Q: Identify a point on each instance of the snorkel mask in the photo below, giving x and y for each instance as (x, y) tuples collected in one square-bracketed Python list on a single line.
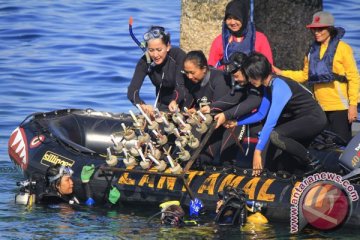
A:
[(233, 211), (154, 32), (172, 213), (63, 171)]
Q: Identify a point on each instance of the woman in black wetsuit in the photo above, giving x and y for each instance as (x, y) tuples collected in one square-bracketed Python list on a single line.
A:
[(163, 64), (294, 117), (58, 186), (204, 84)]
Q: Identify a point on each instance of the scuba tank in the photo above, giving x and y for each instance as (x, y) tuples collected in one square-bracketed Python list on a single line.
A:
[(26, 194)]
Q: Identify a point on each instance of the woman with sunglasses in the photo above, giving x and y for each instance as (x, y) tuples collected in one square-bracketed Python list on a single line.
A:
[(330, 68), (162, 64), (58, 186)]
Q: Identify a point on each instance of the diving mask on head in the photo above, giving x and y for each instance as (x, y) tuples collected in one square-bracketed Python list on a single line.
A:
[(232, 67), (63, 171), (156, 32)]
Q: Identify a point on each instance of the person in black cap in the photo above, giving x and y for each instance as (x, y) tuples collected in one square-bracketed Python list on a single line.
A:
[(238, 35)]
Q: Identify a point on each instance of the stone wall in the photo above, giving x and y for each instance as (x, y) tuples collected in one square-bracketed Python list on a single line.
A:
[(283, 21)]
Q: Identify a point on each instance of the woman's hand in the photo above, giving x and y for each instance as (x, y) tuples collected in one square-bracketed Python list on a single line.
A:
[(257, 163), (352, 113), (205, 109), (230, 124), (148, 109), (220, 119), (276, 70), (173, 106)]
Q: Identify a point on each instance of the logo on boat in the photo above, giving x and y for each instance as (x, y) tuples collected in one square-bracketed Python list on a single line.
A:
[(323, 201), (36, 141), (51, 158), (17, 148)]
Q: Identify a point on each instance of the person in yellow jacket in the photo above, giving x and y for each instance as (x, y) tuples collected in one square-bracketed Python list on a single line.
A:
[(330, 68)]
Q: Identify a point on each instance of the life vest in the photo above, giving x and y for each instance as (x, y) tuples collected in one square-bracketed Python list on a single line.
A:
[(247, 45), (320, 70)]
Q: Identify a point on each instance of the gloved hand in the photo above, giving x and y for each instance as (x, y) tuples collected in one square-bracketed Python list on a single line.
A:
[(195, 207), (114, 195), (87, 172)]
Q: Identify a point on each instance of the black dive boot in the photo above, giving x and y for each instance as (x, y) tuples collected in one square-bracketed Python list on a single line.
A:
[(313, 164)]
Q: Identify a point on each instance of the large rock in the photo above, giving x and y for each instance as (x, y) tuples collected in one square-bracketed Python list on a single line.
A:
[(283, 21)]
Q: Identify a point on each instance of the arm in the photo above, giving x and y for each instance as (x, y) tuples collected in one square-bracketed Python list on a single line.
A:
[(281, 94), (251, 102), (216, 51), (300, 76), (136, 82), (259, 115), (227, 101), (351, 72), (262, 45), (179, 91)]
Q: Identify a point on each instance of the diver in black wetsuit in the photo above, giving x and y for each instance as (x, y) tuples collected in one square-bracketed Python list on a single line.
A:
[(243, 99), (162, 64), (58, 186)]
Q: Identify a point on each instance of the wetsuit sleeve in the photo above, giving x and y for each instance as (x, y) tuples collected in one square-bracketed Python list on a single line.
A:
[(136, 82), (281, 94), (180, 90), (262, 45), (250, 104), (300, 76), (259, 115), (220, 87), (227, 101), (216, 51)]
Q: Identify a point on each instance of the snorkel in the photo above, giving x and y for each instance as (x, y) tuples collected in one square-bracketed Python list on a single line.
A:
[(140, 45), (149, 62)]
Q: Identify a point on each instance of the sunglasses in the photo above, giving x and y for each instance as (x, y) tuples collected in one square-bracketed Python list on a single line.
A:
[(154, 33)]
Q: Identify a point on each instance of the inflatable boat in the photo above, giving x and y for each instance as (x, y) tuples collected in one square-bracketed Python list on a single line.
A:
[(125, 156)]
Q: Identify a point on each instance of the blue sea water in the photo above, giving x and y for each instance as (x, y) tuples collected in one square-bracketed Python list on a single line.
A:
[(78, 54)]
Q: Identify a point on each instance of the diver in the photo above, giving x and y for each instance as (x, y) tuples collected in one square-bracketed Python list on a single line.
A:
[(234, 208), (56, 187), (59, 186), (172, 214)]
